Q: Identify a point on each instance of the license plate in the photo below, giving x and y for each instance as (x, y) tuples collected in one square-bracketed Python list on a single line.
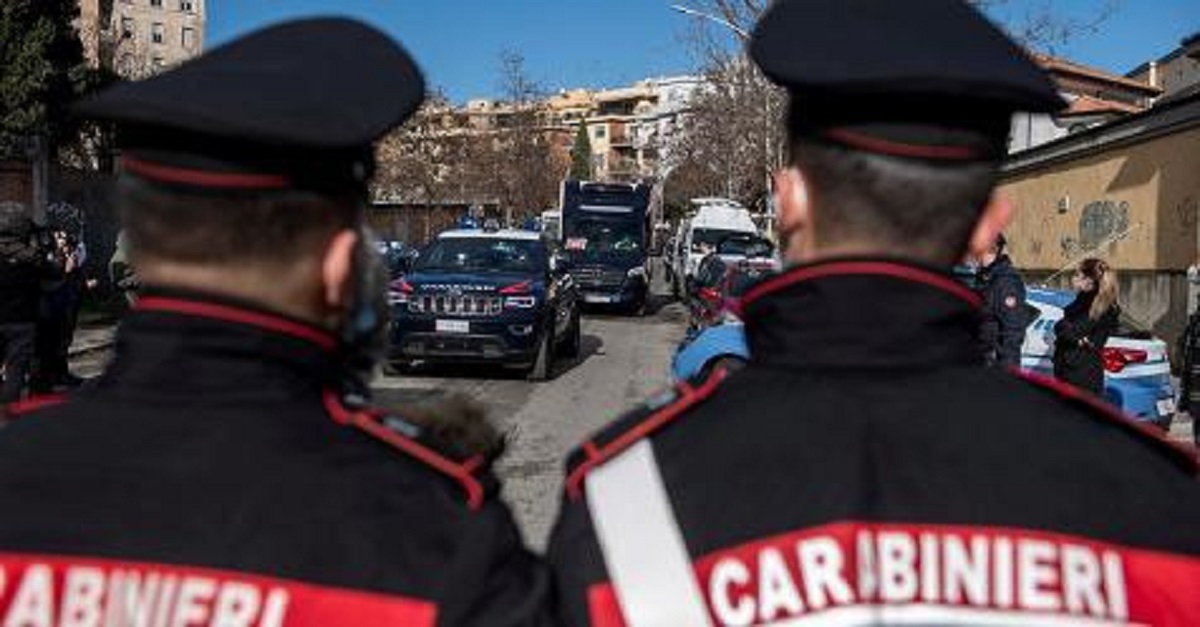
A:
[(1166, 407), (597, 298), (453, 326)]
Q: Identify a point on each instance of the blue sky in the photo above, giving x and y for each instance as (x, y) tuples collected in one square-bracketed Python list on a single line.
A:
[(595, 43)]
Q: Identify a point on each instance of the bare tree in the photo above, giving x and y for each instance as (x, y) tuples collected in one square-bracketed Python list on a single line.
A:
[(527, 168), (734, 136)]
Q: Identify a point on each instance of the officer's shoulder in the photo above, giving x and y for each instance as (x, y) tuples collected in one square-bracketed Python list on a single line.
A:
[(455, 440), (1103, 414), (643, 421)]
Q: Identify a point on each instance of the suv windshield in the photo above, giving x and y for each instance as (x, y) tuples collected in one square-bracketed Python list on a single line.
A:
[(712, 236), (479, 254), (596, 238)]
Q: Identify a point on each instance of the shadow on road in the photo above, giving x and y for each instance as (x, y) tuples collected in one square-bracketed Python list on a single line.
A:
[(589, 345)]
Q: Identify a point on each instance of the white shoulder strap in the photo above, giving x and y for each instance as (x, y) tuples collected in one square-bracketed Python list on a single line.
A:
[(643, 547)]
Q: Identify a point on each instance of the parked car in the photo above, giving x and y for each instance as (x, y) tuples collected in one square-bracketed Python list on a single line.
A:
[(479, 296), (397, 256), (1137, 370)]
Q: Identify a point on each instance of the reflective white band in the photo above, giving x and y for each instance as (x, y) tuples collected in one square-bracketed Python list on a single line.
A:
[(643, 548)]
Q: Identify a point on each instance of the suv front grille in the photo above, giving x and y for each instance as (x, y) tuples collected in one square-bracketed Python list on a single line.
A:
[(464, 305)]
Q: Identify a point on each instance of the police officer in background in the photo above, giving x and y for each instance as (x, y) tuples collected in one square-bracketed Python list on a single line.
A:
[(1005, 313), (865, 468), (218, 472)]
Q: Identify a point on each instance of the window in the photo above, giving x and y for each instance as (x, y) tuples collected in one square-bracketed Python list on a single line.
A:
[(156, 4), (188, 37), (156, 33), (186, 6), (600, 131), (127, 29)]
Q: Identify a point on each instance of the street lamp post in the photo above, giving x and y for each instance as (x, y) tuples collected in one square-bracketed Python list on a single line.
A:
[(737, 30), (744, 36)]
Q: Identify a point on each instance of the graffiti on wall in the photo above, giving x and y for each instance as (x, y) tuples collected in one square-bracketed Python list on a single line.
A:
[(1098, 222), (1101, 220), (1185, 212)]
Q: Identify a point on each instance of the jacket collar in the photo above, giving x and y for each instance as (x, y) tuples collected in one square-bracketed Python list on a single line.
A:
[(185, 340), (862, 313)]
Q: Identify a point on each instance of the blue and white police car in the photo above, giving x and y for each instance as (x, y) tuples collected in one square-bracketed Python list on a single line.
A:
[(1137, 370), (484, 296), (1137, 377)]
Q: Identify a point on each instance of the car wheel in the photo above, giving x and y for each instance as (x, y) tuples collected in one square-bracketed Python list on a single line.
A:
[(541, 366), (729, 363), (570, 347)]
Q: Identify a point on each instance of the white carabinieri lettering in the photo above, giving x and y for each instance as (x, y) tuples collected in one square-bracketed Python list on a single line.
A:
[(88, 596), (892, 568)]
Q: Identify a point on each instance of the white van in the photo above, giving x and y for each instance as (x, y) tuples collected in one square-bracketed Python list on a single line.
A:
[(715, 219)]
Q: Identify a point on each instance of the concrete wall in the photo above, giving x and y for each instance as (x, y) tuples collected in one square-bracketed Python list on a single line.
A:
[(1150, 189), (1079, 207)]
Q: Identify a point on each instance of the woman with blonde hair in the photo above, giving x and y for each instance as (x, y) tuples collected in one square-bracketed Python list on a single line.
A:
[(1086, 326)]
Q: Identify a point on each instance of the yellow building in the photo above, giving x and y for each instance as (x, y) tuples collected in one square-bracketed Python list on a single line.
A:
[(1128, 192)]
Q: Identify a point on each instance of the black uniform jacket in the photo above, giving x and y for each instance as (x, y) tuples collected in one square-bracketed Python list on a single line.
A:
[(1004, 314), (865, 465), (1079, 340), (213, 477)]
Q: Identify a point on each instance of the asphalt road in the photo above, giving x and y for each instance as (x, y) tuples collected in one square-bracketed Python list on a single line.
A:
[(624, 360)]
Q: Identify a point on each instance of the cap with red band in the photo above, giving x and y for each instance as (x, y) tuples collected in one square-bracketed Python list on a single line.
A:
[(920, 79), (294, 106)]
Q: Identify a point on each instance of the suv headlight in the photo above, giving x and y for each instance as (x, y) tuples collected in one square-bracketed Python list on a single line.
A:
[(520, 302), (637, 273)]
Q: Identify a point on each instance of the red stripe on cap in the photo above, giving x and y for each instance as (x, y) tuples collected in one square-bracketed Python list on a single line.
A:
[(862, 268), (241, 316), (897, 149), (203, 178)]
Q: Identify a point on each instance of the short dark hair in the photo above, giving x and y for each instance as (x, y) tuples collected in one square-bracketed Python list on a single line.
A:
[(913, 208), (211, 227)]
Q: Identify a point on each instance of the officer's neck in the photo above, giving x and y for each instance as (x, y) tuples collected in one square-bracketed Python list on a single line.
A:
[(283, 290)]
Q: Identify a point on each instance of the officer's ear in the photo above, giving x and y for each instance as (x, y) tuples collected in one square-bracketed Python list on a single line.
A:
[(794, 209), (337, 268), (992, 221)]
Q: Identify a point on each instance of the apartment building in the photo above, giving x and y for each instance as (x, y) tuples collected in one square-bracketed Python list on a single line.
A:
[(141, 37), (629, 128), (1094, 96)]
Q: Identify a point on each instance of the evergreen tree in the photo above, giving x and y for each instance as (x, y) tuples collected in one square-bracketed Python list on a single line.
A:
[(41, 72), (581, 155)]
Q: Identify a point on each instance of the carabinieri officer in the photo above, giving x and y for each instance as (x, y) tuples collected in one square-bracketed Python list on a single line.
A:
[(865, 467), (224, 469)]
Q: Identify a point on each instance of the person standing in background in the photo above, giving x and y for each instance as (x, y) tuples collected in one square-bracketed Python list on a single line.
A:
[(1086, 326), (22, 268), (1004, 314)]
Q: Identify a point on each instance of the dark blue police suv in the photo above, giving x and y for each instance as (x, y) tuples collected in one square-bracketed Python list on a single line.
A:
[(476, 296)]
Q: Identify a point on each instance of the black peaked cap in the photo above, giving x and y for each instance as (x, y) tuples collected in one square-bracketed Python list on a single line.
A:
[(299, 102), (889, 75)]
